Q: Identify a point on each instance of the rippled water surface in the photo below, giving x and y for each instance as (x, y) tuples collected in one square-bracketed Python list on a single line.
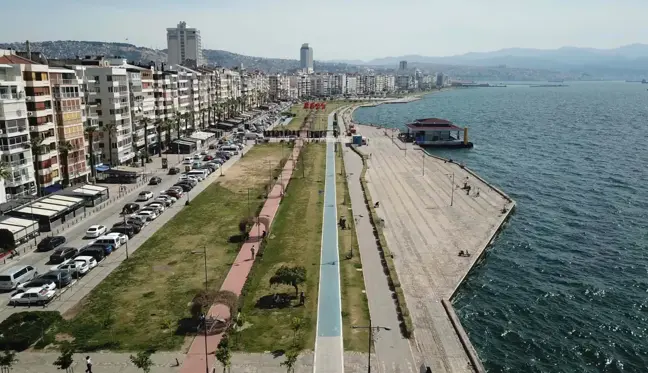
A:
[(565, 288)]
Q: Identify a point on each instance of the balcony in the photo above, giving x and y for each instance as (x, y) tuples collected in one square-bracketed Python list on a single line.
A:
[(18, 180), (12, 96), (40, 112), (65, 82)]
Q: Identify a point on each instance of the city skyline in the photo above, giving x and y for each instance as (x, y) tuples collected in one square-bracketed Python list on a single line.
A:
[(512, 25)]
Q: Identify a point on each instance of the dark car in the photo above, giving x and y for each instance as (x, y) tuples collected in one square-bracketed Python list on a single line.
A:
[(207, 158), (106, 247), (60, 278), (128, 230), (134, 222), (212, 146), (50, 243), (62, 253), (96, 252), (174, 170), (185, 186), (130, 208), (174, 193), (155, 180)]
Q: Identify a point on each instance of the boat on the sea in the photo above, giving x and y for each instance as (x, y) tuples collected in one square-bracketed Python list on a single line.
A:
[(436, 133), (548, 85), (556, 80)]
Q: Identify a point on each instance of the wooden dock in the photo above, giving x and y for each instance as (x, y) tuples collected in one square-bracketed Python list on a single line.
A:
[(428, 220)]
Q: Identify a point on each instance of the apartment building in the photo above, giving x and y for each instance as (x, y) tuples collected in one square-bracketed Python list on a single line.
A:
[(14, 129), (302, 83), (278, 87), (113, 112), (69, 119), (351, 85), (339, 84), (42, 130)]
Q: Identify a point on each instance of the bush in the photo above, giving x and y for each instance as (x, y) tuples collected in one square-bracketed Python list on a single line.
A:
[(21, 330)]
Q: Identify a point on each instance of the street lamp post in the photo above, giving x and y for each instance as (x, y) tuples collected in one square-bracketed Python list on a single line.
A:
[(452, 190), (126, 241), (371, 329), (204, 254), (423, 160)]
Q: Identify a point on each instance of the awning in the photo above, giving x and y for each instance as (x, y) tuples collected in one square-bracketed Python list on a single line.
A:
[(102, 168)]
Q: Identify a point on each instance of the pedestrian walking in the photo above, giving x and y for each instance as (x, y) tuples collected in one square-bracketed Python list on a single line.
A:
[(302, 298), (263, 235), (252, 251), (88, 364)]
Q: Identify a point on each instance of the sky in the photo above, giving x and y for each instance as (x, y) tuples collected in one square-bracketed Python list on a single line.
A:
[(337, 29)]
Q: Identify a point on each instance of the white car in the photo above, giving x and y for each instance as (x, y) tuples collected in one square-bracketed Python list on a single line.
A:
[(204, 152), (36, 296), (73, 267), (197, 156), (190, 177), (96, 231), (158, 205), (146, 215), (169, 197), (162, 199), (88, 260), (144, 196), (122, 237), (187, 160), (39, 283)]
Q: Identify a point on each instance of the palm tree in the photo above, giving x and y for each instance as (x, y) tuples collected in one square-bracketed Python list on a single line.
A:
[(110, 129), (177, 124), (146, 121), (64, 151), (185, 118), (160, 126), (5, 172), (231, 104), (168, 124), (203, 111), (219, 110), (89, 132), (241, 103), (36, 145)]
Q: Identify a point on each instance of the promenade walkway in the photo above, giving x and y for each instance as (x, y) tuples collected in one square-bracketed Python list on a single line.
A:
[(328, 341), (195, 360), (428, 220), (392, 351)]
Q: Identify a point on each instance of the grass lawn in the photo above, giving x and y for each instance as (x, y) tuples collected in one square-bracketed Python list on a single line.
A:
[(355, 310), (295, 239), (321, 122), (144, 303), (298, 119)]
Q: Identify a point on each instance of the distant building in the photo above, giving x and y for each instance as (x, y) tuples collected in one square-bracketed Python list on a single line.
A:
[(440, 80), (306, 58), (184, 46), (402, 65)]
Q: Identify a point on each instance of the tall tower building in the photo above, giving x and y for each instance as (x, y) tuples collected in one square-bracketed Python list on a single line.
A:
[(184, 46), (306, 58), (402, 65)]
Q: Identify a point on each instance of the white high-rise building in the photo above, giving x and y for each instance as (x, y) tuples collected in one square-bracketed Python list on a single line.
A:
[(184, 46), (306, 58)]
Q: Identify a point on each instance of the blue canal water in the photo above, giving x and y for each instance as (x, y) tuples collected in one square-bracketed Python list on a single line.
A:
[(565, 288)]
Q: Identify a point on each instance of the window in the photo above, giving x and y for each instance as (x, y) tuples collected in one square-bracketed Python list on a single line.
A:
[(96, 79), (109, 78)]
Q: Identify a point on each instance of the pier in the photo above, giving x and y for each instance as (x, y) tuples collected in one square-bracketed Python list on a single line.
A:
[(429, 218)]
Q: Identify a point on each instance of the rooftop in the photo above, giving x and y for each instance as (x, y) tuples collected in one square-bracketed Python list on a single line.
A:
[(433, 124), (14, 59)]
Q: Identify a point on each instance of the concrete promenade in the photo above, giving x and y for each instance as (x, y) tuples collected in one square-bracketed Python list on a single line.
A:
[(328, 340), (392, 351), (238, 274), (428, 220)]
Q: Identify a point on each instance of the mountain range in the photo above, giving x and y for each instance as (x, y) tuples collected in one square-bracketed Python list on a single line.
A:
[(628, 62)]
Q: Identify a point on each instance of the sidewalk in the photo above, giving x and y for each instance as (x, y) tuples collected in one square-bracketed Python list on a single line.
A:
[(238, 274), (392, 351)]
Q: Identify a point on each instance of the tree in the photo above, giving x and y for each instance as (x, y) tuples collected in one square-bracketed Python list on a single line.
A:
[(168, 124), (291, 359), (142, 360), (203, 112), (224, 354), (146, 121), (159, 128), (293, 276), (7, 360), (36, 145), (5, 172), (110, 129), (295, 325), (65, 359), (219, 111), (64, 151), (177, 125), (90, 132)]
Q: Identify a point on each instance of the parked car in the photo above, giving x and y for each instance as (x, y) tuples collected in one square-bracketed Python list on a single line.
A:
[(155, 180), (37, 283), (123, 238), (159, 206), (212, 146), (50, 243), (130, 208), (135, 222), (90, 261), (95, 252), (95, 231), (12, 277), (74, 268), (175, 192), (60, 278), (166, 201), (144, 196), (185, 186), (187, 160), (62, 253), (128, 230), (207, 158), (204, 152), (35, 296), (147, 215), (174, 171), (168, 196), (107, 248), (197, 156)]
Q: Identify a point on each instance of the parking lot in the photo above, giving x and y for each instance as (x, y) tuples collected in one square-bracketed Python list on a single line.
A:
[(70, 295)]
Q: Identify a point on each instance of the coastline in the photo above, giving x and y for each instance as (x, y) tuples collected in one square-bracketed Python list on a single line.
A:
[(484, 246)]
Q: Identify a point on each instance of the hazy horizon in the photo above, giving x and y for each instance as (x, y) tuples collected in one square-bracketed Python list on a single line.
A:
[(337, 30)]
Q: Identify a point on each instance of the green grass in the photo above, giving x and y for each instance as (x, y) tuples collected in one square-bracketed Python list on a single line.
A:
[(294, 239), (320, 123), (144, 303), (355, 310)]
